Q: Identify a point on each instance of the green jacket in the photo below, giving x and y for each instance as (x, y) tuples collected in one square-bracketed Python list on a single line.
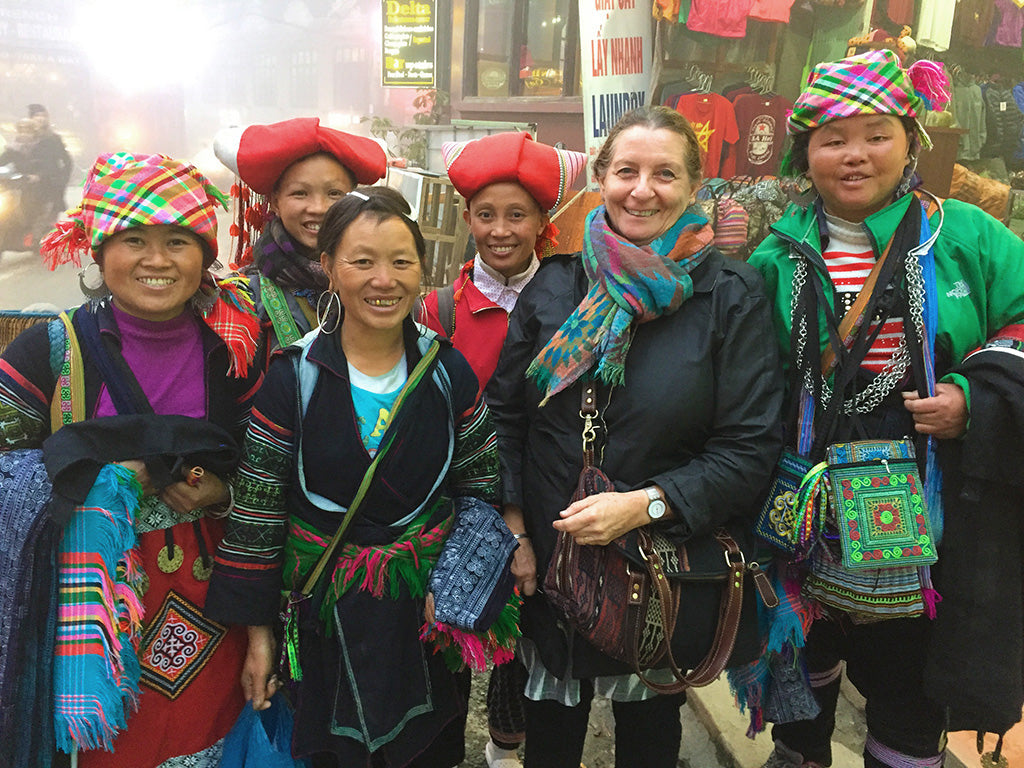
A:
[(979, 266)]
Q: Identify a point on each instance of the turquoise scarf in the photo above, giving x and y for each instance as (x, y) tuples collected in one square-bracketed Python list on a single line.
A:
[(628, 284)]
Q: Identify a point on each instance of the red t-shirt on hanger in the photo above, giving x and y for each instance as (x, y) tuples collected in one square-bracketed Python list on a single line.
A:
[(714, 122)]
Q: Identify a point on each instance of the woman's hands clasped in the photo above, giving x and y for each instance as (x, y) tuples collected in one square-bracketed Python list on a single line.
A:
[(524, 561), (603, 517)]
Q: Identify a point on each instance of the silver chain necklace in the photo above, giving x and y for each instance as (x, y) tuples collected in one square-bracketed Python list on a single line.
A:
[(895, 368)]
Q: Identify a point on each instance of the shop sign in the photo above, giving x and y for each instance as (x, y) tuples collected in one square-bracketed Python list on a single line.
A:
[(409, 43), (31, 26), (615, 42)]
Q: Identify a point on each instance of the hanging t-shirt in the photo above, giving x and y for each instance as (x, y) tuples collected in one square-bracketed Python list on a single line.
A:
[(972, 21), (714, 122), (1011, 22), (969, 108), (771, 10), (723, 18), (935, 23), (762, 128), (901, 11), (372, 398)]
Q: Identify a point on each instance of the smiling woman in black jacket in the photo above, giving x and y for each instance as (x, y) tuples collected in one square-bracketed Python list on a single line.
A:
[(677, 340)]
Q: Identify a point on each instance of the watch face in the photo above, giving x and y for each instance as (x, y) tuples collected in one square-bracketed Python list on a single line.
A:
[(656, 508)]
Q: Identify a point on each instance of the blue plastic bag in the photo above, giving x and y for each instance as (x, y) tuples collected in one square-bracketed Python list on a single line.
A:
[(262, 739)]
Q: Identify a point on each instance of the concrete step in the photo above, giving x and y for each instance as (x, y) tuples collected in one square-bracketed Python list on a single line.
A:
[(715, 708)]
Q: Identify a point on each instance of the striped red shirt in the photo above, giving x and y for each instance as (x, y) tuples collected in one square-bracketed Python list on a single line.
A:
[(850, 259)]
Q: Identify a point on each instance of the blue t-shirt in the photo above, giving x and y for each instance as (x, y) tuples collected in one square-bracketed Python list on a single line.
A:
[(373, 398)]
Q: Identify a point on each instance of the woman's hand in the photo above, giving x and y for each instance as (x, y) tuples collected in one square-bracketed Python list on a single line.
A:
[(944, 415), (183, 497), (259, 682), (524, 561), (603, 517)]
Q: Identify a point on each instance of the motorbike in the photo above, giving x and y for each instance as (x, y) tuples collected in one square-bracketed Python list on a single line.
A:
[(15, 232)]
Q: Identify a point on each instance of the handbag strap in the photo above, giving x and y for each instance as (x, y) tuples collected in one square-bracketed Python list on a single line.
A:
[(588, 412), (410, 384), (67, 406)]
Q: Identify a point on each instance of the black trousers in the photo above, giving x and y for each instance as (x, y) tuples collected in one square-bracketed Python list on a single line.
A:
[(885, 661), (647, 733)]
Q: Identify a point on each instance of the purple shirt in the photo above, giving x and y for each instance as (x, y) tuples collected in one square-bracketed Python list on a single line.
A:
[(167, 359)]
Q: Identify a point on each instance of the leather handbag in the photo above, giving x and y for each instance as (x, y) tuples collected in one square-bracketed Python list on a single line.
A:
[(624, 598)]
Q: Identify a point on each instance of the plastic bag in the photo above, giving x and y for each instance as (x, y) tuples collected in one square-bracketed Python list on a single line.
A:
[(262, 739)]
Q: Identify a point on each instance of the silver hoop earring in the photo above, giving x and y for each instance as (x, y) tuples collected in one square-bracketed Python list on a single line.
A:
[(92, 284), (910, 179), (322, 315), (800, 190)]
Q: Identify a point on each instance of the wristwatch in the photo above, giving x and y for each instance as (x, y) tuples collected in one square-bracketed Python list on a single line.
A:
[(656, 506)]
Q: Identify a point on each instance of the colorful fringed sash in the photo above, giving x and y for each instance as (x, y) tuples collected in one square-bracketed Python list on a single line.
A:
[(99, 617), (385, 570)]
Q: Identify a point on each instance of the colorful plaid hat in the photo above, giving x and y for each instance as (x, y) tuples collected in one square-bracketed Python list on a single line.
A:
[(545, 172), (125, 190), (869, 83), (259, 154)]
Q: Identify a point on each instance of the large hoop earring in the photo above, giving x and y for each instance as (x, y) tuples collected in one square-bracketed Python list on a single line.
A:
[(322, 315), (92, 285)]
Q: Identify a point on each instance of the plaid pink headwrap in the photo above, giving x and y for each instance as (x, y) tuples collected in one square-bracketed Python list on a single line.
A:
[(125, 190), (869, 83)]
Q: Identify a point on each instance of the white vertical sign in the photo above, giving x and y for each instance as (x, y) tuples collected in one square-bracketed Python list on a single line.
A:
[(615, 43)]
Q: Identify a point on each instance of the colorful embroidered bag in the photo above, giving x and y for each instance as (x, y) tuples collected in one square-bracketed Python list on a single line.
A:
[(877, 500), (472, 580), (776, 523)]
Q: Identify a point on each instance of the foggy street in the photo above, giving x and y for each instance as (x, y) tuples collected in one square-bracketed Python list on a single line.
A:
[(25, 281)]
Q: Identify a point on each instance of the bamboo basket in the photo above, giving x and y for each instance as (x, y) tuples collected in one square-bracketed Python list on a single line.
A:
[(12, 323)]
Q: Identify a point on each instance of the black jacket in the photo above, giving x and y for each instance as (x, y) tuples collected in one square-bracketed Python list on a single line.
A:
[(699, 416), (975, 658)]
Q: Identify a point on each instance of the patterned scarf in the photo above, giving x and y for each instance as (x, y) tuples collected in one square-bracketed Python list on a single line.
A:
[(287, 262), (629, 284), (228, 309), (99, 615)]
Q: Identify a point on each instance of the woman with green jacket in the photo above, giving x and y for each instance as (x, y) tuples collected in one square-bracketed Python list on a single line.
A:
[(935, 280)]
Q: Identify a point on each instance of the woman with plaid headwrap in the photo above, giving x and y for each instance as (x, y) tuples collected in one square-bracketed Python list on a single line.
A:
[(935, 280), (289, 174), (140, 677)]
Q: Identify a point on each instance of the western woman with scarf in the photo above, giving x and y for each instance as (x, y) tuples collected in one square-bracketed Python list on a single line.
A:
[(677, 341), (511, 185), (949, 278), (141, 678), (373, 415), (289, 174)]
